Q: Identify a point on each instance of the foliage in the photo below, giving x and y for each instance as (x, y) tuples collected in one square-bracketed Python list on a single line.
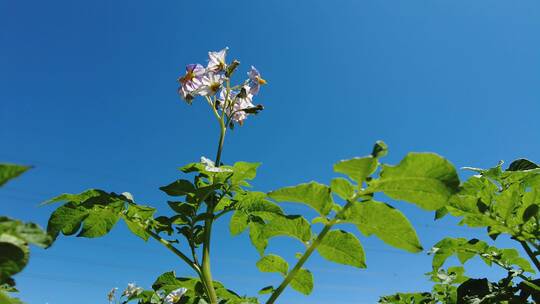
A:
[(503, 202), (215, 189), (15, 238)]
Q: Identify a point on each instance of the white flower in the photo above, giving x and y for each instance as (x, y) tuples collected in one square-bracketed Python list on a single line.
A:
[(191, 81), (175, 296), (131, 290), (242, 101), (217, 60), (211, 83), (210, 166), (255, 80)]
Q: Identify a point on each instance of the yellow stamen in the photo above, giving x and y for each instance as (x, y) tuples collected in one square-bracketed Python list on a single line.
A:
[(261, 81)]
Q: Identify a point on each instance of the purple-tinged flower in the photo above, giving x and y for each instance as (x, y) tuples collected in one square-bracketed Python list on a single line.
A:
[(210, 84), (191, 81), (241, 101), (175, 296), (217, 60), (255, 80)]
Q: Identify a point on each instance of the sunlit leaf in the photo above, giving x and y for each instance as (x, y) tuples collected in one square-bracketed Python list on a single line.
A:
[(313, 194), (424, 179), (342, 247), (386, 222)]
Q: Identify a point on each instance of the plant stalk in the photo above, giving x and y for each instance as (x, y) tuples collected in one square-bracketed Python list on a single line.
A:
[(206, 267)]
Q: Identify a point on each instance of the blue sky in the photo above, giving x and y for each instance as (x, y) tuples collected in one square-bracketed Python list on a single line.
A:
[(88, 96)]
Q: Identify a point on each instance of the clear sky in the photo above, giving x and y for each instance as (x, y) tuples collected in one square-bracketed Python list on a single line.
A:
[(88, 96)]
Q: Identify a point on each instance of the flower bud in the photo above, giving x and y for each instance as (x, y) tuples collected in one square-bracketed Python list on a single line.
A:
[(231, 68)]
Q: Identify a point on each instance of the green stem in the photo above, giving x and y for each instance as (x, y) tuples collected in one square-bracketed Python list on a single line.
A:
[(530, 254), (221, 141), (206, 268), (290, 276)]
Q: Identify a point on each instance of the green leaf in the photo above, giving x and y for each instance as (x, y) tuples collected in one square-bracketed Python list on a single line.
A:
[(358, 168), (303, 281), (239, 222), (386, 222), (292, 225), (256, 236), (243, 171), (10, 171), (14, 256), (313, 194), (97, 211), (27, 232), (256, 203), (180, 187), (466, 249), (266, 290), (522, 164), (424, 179), (100, 221), (342, 187), (137, 217), (76, 198), (342, 247), (66, 219), (273, 263), (6, 299)]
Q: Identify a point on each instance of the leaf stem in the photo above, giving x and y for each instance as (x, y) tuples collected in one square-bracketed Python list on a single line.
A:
[(308, 252), (174, 250)]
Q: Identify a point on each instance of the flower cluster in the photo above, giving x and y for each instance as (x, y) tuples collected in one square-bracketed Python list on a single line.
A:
[(213, 83)]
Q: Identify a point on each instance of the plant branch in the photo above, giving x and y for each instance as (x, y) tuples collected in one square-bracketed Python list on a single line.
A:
[(531, 254)]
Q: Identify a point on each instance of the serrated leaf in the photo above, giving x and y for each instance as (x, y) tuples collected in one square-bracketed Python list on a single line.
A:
[(386, 222), (342, 247), (273, 263), (303, 281), (342, 187), (358, 169), (313, 194), (180, 187), (424, 179), (10, 171)]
